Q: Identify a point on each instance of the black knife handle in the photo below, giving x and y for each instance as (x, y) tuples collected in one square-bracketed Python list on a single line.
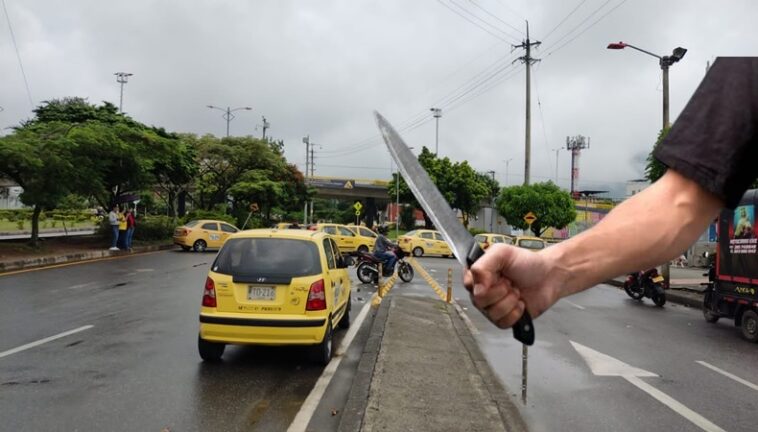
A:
[(523, 330)]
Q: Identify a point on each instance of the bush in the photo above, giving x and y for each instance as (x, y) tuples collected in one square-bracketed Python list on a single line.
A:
[(154, 228), (475, 231)]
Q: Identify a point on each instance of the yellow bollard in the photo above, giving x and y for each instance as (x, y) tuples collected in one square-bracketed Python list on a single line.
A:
[(450, 285)]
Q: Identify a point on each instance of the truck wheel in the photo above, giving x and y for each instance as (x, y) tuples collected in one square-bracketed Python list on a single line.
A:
[(750, 326), (707, 314)]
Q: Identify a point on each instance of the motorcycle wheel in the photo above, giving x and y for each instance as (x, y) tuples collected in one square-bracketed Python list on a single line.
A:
[(659, 299), (707, 314), (365, 272), (405, 272), (636, 293)]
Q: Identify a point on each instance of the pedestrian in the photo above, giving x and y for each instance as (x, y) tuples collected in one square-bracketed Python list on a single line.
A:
[(113, 223), (131, 224), (710, 153), (121, 230)]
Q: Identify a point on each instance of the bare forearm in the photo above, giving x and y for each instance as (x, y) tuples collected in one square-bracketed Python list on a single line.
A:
[(648, 229)]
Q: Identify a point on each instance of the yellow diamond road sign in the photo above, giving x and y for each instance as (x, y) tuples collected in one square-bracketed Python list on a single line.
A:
[(530, 218), (357, 206)]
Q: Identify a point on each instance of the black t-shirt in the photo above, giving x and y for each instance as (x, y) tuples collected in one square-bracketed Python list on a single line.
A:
[(715, 139)]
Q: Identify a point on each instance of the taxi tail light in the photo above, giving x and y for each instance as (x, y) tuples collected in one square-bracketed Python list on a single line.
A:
[(316, 296), (209, 293)]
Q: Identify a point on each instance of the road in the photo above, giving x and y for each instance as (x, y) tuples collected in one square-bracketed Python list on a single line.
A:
[(137, 367), (564, 394)]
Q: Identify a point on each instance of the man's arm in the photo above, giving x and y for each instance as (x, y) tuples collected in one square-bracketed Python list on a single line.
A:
[(650, 228)]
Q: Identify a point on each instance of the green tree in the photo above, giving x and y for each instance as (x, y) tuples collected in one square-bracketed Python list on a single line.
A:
[(552, 206), (654, 168)]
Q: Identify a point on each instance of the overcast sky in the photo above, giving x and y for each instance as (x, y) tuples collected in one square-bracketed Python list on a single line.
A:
[(320, 68)]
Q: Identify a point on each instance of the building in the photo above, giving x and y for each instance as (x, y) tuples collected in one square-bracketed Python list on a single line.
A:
[(636, 186), (10, 195)]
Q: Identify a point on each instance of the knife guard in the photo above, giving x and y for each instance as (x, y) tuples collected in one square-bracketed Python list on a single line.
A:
[(523, 330)]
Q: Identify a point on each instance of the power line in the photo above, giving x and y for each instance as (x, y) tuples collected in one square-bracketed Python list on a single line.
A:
[(564, 19), (588, 27), (18, 55), (473, 22), (539, 104), (587, 18), (495, 16)]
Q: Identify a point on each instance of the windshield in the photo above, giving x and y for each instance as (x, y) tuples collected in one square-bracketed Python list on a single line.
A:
[(192, 223), (531, 244)]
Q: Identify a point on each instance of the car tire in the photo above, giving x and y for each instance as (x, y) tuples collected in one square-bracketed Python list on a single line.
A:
[(417, 251), (345, 320), (200, 246), (322, 352), (750, 326), (210, 351), (363, 249), (186, 248)]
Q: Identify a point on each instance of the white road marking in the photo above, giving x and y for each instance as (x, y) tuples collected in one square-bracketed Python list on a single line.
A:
[(574, 304), (729, 375), (303, 416), (605, 365), (700, 421), (43, 341)]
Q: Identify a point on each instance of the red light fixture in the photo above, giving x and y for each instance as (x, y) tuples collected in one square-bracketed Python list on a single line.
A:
[(620, 45), (316, 296), (209, 293)]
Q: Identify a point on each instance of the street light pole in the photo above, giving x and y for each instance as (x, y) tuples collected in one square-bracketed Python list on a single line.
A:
[(228, 116), (507, 162), (556, 164), (437, 113), (122, 78)]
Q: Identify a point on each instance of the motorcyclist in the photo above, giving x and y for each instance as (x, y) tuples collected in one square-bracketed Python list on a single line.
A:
[(383, 248)]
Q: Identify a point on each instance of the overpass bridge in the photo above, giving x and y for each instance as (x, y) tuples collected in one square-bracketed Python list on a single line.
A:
[(371, 193)]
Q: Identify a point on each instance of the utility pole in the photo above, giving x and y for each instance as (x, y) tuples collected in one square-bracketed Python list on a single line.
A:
[(492, 202), (313, 167), (528, 60), (228, 116), (266, 125), (122, 78), (556, 165), (507, 162), (307, 142), (437, 113)]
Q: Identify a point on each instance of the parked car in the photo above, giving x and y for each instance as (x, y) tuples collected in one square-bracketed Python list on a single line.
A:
[(364, 237), (346, 239), (203, 234), (275, 287), (424, 242), (486, 240), (527, 242)]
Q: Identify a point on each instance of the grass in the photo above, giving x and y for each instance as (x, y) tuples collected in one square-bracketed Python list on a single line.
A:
[(392, 236)]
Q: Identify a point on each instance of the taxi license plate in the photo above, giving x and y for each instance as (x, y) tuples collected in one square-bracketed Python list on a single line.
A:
[(261, 293), (658, 279)]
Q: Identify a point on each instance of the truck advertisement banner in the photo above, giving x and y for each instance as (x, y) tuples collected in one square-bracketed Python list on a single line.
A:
[(738, 245)]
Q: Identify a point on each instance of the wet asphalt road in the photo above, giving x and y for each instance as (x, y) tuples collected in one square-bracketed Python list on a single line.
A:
[(563, 393), (137, 367)]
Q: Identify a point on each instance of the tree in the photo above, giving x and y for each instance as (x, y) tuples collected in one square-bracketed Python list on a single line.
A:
[(654, 168), (552, 206)]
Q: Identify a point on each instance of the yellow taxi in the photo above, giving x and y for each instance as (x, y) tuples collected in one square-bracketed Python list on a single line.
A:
[(532, 243), (275, 287), (287, 225), (364, 237), (346, 239), (486, 240), (424, 242), (203, 234)]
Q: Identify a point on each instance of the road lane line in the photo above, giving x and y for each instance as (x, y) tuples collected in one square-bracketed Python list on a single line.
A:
[(702, 422), (43, 341), (303, 417), (574, 304), (728, 375)]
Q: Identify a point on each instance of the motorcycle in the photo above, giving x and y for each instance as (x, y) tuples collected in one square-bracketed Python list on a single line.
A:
[(368, 267), (646, 284)]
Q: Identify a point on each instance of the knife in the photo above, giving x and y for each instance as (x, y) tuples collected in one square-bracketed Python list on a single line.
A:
[(465, 248)]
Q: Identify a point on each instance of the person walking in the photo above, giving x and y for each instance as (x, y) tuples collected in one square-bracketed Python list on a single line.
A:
[(131, 224), (113, 222)]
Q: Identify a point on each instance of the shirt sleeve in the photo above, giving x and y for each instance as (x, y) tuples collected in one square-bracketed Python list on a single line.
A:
[(713, 142)]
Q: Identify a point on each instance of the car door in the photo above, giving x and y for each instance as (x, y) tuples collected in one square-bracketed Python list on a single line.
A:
[(226, 231), (346, 240), (440, 244), (427, 242), (211, 234), (335, 280)]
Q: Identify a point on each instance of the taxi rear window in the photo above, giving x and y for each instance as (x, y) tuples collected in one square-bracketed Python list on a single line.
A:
[(531, 244), (190, 224), (268, 257)]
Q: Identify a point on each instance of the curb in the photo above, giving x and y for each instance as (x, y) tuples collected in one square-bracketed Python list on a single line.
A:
[(508, 410), (683, 297), (42, 262), (357, 401)]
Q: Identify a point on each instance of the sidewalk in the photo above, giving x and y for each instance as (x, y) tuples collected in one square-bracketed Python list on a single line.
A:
[(685, 288), (422, 370)]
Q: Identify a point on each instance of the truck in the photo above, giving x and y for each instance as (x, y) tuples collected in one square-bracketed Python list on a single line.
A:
[(732, 291)]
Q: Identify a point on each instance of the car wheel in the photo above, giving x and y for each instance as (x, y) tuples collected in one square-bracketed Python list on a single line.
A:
[(417, 251), (200, 246), (322, 352), (750, 326), (445, 256), (186, 248), (363, 249), (345, 321), (210, 351)]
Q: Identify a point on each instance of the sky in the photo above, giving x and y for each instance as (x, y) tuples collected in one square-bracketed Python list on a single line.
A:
[(320, 68)]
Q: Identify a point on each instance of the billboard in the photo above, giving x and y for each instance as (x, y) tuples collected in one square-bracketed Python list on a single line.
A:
[(738, 245)]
